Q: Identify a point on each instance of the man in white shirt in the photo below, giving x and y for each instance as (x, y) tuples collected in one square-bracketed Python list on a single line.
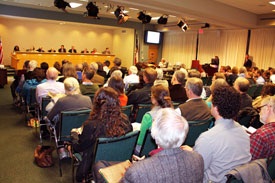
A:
[(51, 85), (132, 77)]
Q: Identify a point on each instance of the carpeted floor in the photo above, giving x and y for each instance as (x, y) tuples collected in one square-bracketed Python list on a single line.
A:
[(17, 144)]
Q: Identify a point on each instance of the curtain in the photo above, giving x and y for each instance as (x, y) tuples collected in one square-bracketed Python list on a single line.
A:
[(262, 48)]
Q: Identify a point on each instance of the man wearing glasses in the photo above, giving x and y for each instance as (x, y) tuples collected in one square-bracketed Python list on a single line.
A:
[(262, 142)]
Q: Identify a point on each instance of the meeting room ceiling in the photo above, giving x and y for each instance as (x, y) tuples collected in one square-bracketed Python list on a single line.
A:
[(220, 14)]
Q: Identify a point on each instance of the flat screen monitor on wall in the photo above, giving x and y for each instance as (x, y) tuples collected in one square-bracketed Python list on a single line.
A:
[(152, 37)]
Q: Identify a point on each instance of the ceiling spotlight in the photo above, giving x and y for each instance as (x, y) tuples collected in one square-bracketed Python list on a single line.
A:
[(141, 16), (206, 25), (61, 4), (121, 17), (92, 10), (163, 19), (182, 25), (144, 18)]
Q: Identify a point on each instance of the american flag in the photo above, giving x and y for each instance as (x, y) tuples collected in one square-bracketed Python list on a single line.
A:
[(136, 50), (1, 51)]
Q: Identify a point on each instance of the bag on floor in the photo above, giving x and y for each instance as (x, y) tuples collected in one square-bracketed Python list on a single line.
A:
[(43, 156)]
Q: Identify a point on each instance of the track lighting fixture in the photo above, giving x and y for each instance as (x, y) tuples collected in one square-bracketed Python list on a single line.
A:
[(61, 4), (92, 10), (206, 25), (182, 25), (121, 17), (163, 19), (144, 18)]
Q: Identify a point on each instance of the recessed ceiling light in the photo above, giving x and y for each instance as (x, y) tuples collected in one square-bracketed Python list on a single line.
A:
[(154, 18), (272, 2), (273, 10), (124, 11), (75, 5)]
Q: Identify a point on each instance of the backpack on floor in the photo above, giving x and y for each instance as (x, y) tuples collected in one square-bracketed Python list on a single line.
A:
[(43, 156)]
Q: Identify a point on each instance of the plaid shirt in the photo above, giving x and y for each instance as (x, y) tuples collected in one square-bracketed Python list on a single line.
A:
[(262, 142)]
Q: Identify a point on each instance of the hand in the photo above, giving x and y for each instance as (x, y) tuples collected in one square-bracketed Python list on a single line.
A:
[(136, 158), (186, 148)]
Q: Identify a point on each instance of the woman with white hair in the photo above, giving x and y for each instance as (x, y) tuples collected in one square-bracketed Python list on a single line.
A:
[(73, 100), (169, 163), (160, 79)]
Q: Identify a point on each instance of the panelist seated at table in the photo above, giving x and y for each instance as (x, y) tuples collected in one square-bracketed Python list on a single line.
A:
[(52, 50), (106, 51), (40, 49), (72, 50), (85, 51), (62, 49)]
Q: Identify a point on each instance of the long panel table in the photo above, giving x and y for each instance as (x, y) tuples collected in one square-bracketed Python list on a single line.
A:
[(18, 58)]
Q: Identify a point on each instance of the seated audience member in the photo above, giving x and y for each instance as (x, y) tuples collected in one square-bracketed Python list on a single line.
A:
[(72, 101), (259, 78), (87, 86), (160, 98), (177, 90), (38, 78), (72, 50), (79, 69), (226, 145), (106, 65), (118, 85), (197, 74), (68, 70), (194, 108), (241, 85), (272, 75), (169, 163), (32, 65), (233, 76), (132, 76), (97, 79), (44, 66), (262, 142), (117, 73), (100, 70), (216, 83), (160, 79), (249, 77), (62, 49), (58, 67), (106, 120), (19, 78), (106, 51), (85, 51), (142, 96), (268, 89), (163, 63), (242, 72), (117, 66), (51, 85)]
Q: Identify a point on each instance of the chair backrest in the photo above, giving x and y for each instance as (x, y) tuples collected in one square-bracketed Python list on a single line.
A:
[(127, 110), (70, 120), (258, 91), (142, 109), (116, 148), (176, 105), (271, 167), (91, 95), (195, 129), (251, 90), (148, 145), (44, 103)]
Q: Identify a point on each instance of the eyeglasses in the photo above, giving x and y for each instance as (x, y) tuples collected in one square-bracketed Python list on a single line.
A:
[(260, 107)]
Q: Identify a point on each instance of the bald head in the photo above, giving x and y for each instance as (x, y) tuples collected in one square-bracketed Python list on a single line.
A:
[(52, 73)]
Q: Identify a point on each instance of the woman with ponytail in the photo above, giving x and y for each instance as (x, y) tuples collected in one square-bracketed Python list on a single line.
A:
[(160, 98)]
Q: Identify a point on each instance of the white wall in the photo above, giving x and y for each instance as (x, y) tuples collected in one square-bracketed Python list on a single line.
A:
[(27, 33)]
